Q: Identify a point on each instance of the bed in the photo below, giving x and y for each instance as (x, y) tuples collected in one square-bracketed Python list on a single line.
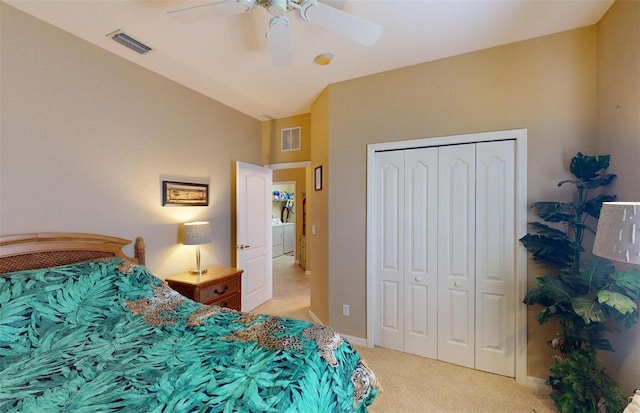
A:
[(84, 327)]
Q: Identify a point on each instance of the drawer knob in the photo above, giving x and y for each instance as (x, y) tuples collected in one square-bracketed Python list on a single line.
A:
[(226, 287)]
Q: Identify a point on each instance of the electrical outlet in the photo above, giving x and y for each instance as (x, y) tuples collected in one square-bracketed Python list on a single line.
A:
[(345, 310)]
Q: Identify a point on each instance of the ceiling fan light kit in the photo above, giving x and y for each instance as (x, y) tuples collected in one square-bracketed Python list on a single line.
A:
[(280, 39), (323, 59), (279, 31), (277, 7)]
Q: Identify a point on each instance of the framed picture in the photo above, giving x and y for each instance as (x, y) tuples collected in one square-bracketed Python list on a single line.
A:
[(184, 194), (318, 178)]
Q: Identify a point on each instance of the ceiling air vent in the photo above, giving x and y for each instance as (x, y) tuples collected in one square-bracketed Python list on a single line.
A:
[(290, 139), (130, 42)]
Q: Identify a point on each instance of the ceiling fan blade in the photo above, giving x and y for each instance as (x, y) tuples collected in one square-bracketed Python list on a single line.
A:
[(280, 41), (339, 22), (212, 10)]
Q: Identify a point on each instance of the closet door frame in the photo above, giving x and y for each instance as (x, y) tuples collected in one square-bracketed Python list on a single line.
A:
[(520, 138)]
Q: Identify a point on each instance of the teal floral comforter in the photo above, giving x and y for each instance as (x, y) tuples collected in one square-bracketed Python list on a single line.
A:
[(107, 335)]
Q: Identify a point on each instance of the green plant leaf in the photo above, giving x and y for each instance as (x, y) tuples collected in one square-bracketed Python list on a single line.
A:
[(548, 292), (594, 205), (594, 273), (552, 251), (620, 302), (589, 310), (546, 230), (602, 180), (586, 167), (628, 282), (598, 343), (552, 211)]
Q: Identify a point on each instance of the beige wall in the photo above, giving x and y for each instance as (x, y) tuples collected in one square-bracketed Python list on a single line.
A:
[(273, 155), (86, 138), (319, 214), (271, 152), (619, 135), (547, 85)]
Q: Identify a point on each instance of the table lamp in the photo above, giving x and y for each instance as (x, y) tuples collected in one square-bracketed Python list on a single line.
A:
[(197, 233), (618, 233)]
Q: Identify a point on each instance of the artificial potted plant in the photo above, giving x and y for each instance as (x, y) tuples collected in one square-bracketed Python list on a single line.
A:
[(583, 296)]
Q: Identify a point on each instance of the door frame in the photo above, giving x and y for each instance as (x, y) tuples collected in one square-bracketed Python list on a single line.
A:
[(520, 137), (307, 167), (246, 233)]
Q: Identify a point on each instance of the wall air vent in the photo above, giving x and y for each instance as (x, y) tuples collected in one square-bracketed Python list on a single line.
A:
[(290, 139), (130, 42)]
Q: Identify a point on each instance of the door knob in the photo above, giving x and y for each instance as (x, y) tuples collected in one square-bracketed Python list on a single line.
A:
[(418, 279), (456, 284), (242, 246)]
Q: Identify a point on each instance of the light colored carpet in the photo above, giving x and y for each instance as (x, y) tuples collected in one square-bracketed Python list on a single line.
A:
[(412, 384), (291, 291), (417, 384)]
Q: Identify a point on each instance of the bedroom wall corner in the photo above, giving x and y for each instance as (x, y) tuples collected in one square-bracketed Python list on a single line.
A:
[(547, 85), (619, 135), (318, 211), (271, 140), (87, 136)]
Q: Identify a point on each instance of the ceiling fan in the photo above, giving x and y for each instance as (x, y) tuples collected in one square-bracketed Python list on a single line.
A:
[(278, 32)]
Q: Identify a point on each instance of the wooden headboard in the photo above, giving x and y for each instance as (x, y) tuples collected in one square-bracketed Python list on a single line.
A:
[(49, 249)]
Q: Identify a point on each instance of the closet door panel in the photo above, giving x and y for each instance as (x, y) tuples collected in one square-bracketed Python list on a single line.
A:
[(495, 258), (421, 251), (389, 255), (456, 254)]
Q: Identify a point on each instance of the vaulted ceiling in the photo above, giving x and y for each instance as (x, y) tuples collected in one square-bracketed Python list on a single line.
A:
[(228, 58)]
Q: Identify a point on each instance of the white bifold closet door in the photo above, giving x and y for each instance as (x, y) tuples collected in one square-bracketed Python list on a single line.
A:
[(444, 245)]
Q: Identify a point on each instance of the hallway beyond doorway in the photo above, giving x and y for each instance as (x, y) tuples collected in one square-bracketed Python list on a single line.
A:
[(291, 291)]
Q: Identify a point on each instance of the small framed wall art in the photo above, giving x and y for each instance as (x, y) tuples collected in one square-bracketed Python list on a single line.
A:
[(184, 194), (318, 178)]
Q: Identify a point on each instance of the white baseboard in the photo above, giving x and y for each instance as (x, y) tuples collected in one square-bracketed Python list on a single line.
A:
[(356, 341), (315, 318), (536, 383)]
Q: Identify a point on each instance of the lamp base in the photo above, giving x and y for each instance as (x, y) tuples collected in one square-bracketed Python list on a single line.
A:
[(202, 271)]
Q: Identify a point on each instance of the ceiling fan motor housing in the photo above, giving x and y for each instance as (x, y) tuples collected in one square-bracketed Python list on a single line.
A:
[(277, 7)]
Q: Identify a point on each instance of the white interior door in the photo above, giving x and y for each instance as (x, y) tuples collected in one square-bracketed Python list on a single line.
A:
[(456, 254), (495, 258), (253, 233), (406, 258), (444, 253), (480, 209), (421, 252), (389, 199)]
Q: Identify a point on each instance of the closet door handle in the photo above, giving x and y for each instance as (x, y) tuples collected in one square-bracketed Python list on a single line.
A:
[(456, 284), (418, 279)]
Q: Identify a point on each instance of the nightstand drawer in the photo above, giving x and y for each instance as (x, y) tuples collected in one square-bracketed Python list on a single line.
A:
[(212, 292), (232, 302), (219, 285)]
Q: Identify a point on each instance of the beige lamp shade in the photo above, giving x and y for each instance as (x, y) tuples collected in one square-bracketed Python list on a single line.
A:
[(197, 233), (618, 233)]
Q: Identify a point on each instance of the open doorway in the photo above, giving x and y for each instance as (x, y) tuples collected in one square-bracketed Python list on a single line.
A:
[(291, 279), (284, 220)]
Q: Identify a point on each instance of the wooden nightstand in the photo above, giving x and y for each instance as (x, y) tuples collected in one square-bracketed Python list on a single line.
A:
[(219, 286)]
